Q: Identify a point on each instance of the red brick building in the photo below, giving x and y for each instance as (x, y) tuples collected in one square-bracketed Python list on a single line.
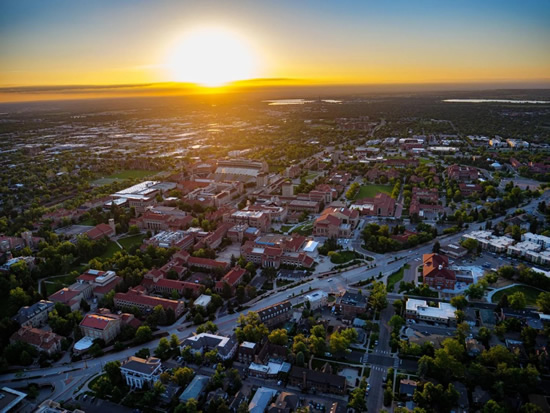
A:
[(436, 272)]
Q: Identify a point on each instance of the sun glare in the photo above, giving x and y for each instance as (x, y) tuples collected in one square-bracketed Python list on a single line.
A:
[(211, 57)]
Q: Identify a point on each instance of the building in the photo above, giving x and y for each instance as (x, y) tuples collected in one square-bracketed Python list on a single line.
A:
[(470, 189), (137, 371), (311, 380), (351, 304), (136, 298), (382, 205), (10, 399), (453, 250), (102, 231), (141, 196), (73, 295), (317, 299), (243, 170), (420, 310), (256, 219), (101, 281), (462, 173), (262, 398), (226, 346), (336, 222), (490, 242), (162, 219), (215, 194), (41, 340), (286, 402), (272, 250), (270, 370), (103, 326), (233, 278), (202, 301), (195, 388), (288, 189), (436, 272), (541, 240), (275, 314), (34, 315)]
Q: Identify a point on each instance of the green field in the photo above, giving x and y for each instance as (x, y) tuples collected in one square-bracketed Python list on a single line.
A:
[(370, 191), (342, 257), (531, 293), (395, 278), (112, 247), (132, 240)]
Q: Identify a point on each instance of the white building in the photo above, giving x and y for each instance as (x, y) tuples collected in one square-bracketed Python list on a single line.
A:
[(137, 371), (541, 240), (420, 310), (203, 300), (317, 299), (490, 242)]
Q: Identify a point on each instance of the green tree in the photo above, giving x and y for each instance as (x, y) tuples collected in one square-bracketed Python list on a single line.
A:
[(182, 376), (543, 302), (163, 349), (460, 302), (279, 337), (112, 368), (143, 335), (517, 300)]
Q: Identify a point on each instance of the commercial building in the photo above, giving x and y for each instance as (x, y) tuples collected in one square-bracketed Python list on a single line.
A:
[(420, 310), (101, 281), (137, 371), (34, 315), (272, 250), (256, 219), (336, 222), (270, 370), (436, 272)]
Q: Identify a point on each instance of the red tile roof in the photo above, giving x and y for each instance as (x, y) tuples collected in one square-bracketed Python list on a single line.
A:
[(96, 321)]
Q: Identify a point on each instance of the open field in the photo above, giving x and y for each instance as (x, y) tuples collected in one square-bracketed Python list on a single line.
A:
[(369, 191), (395, 278), (531, 293)]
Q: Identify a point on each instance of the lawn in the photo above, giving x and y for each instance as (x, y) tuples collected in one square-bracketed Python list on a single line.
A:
[(531, 293), (342, 256), (131, 174), (370, 191), (395, 278), (304, 229), (285, 228), (112, 247), (128, 242)]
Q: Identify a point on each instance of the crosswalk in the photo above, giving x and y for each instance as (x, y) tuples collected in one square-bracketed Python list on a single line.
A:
[(379, 368)]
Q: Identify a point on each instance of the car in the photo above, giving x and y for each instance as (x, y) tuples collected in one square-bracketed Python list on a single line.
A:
[(368, 386), (376, 342), (331, 280)]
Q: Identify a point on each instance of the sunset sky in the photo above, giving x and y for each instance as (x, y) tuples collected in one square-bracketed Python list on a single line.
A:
[(135, 41)]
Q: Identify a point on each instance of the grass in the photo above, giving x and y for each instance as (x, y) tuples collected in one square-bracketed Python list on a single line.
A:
[(370, 191), (286, 228), (112, 248), (395, 278), (342, 256), (531, 294), (304, 229), (128, 242)]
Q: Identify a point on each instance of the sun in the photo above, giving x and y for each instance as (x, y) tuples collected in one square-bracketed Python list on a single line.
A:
[(211, 56)]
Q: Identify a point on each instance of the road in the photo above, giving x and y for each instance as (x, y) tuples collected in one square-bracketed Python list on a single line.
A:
[(68, 377)]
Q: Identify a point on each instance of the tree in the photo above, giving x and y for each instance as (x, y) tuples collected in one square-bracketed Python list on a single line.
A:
[(317, 345), (493, 407), (182, 376), (112, 368), (543, 302), (378, 297), (436, 248), (470, 244), (174, 341), (517, 300), (279, 337), (357, 400), (460, 302), (143, 335), (250, 328), (484, 335), (396, 322), (398, 306), (163, 349), (208, 327), (143, 353), (300, 359)]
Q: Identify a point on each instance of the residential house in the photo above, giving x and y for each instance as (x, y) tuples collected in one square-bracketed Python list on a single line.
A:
[(138, 371)]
